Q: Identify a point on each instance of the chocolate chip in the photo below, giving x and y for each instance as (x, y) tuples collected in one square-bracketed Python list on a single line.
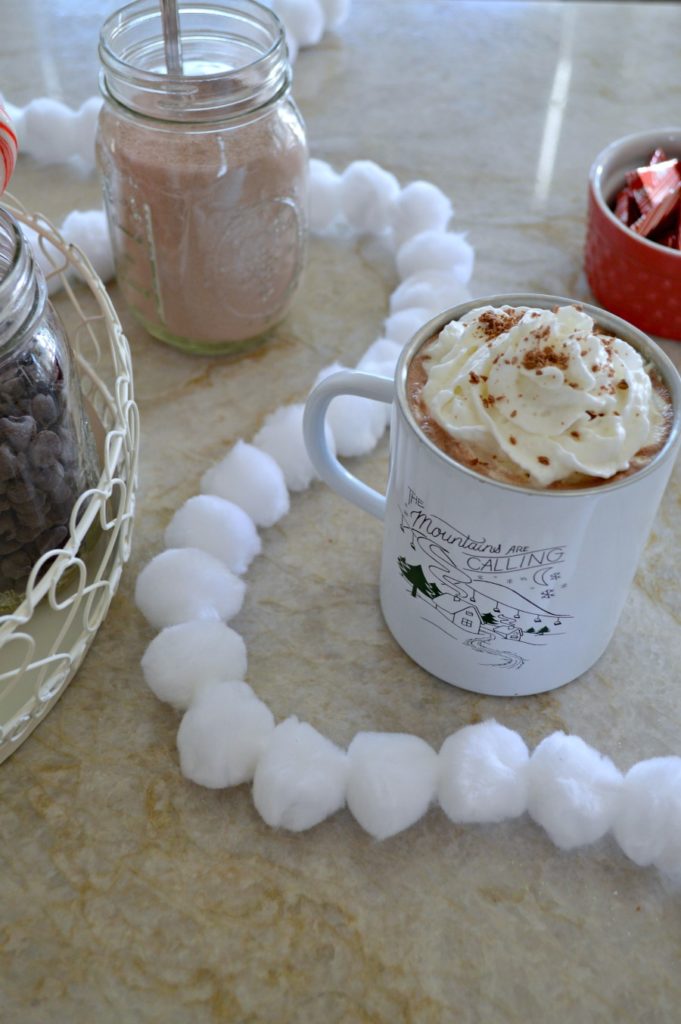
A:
[(61, 510), (28, 531), (45, 449), (64, 492), (53, 538), (20, 492), (48, 478), (14, 388), (18, 431), (16, 566), (8, 463), (44, 409), (69, 446), (7, 524)]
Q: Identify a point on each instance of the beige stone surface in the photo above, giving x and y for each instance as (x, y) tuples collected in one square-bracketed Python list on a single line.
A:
[(128, 894)]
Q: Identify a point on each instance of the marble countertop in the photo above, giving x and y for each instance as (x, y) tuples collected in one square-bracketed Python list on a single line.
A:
[(128, 894)]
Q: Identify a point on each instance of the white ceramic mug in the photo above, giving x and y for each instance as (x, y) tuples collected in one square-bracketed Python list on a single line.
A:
[(496, 588)]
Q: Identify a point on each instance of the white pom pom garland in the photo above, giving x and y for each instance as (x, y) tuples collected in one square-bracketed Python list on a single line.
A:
[(89, 230), (401, 327), (223, 734), (648, 820), (182, 658), (420, 207), (183, 584), (323, 196), (367, 196), (217, 526), (433, 290), (356, 423), (436, 250), (281, 437), (573, 790), (392, 781), (251, 479), (300, 778), (483, 773)]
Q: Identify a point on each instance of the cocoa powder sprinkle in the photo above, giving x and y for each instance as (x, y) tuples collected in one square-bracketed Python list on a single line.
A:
[(539, 357), (544, 460), (497, 321)]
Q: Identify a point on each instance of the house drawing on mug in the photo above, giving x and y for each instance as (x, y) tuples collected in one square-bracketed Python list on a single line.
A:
[(495, 602)]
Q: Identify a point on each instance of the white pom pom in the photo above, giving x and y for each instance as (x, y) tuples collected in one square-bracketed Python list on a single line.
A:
[(381, 358), (185, 584), (574, 790), (421, 206), (434, 290), (88, 229), (217, 526), (49, 130), (281, 436), (223, 734), (300, 778), (367, 195), (436, 250), (392, 781), (84, 130), (183, 657), (304, 19), (252, 480), (324, 195), (356, 423), (335, 12), (483, 774), (648, 822), (401, 327)]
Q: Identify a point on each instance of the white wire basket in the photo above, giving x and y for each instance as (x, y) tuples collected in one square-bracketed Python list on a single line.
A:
[(44, 640)]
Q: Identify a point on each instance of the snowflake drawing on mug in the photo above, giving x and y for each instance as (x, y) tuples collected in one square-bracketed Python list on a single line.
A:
[(489, 596)]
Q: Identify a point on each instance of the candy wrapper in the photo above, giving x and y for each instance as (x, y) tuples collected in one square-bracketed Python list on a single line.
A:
[(650, 202)]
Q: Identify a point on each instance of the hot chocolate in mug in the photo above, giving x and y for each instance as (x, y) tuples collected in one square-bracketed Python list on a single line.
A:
[(496, 587)]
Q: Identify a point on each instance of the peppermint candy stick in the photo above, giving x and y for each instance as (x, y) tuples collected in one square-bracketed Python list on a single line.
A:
[(8, 148)]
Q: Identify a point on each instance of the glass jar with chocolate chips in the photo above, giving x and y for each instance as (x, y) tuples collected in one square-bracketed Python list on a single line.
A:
[(47, 453)]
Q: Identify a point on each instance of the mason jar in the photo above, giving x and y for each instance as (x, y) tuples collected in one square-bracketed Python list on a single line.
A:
[(47, 452), (204, 172)]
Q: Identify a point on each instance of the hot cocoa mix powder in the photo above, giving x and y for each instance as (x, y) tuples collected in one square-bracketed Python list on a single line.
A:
[(208, 225)]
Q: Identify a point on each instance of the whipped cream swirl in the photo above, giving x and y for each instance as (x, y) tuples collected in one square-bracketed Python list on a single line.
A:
[(540, 385)]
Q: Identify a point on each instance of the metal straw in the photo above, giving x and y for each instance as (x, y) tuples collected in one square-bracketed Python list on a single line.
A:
[(171, 37)]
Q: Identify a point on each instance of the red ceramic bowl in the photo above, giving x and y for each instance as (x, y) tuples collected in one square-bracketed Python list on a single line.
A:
[(632, 277)]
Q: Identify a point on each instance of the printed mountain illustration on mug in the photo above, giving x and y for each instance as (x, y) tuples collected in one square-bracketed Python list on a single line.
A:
[(416, 577)]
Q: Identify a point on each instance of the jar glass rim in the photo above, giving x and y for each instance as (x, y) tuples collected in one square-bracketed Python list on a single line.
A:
[(9, 229), (23, 291), (235, 52)]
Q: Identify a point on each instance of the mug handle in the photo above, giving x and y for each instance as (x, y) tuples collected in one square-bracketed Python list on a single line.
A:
[(346, 382)]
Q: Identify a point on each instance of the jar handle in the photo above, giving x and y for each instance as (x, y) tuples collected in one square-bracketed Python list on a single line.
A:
[(347, 382)]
